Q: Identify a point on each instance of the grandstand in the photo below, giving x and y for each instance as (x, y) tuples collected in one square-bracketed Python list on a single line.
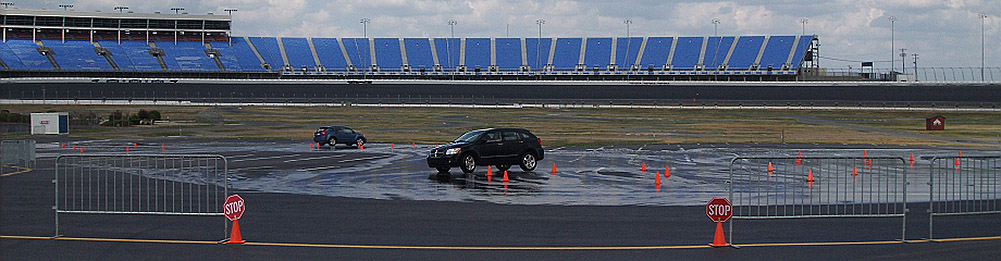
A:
[(184, 43)]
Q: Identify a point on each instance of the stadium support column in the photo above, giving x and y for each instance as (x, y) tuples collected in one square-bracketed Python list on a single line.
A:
[(229, 29)]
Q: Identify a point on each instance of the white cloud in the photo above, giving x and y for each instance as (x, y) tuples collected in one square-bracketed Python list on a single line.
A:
[(945, 32)]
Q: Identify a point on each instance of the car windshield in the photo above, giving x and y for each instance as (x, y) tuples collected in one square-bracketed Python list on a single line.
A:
[(469, 137)]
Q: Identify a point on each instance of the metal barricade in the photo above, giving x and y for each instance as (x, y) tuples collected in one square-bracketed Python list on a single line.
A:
[(818, 187), (162, 184), (964, 185), (17, 154)]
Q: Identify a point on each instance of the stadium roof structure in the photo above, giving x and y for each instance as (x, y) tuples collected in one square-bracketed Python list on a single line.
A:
[(75, 25)]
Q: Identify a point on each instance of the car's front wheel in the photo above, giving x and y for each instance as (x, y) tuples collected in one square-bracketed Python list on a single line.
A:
[(468, 163), (359, 142), (332, 142), (528, 162)]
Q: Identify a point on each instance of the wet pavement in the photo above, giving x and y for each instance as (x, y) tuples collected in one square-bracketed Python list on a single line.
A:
[(585, 176)]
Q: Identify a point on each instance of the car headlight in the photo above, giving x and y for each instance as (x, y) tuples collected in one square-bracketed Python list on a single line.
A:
[(453, 151)]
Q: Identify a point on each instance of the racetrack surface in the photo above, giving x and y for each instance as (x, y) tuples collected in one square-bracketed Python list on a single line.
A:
[(399, 228)]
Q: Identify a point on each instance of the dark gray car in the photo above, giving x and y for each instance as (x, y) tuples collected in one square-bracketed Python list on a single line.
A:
[(334, 135)]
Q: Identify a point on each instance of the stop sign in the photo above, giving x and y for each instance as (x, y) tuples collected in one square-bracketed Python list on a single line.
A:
[(719, 210), (233, 208)]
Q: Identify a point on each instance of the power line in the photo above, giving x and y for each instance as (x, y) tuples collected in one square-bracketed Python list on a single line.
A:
[(847, 60)]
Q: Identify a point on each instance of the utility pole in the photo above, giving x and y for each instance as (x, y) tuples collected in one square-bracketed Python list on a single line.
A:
[(915, 66), (903, 60), (983, 37), (892, 20)]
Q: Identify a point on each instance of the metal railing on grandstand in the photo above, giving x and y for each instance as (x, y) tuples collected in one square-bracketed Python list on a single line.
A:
[(16, 155), (924, 74), (156, 184), (963, 185), (768, 188)]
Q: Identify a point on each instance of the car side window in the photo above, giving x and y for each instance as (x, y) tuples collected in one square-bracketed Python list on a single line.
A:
[(491, 137), (346, 130), (510, 136), (524, 136)]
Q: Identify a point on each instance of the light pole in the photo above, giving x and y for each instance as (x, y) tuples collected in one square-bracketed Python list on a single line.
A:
[(121, 9), (538, 45), (230, 36), (629, 41), (176, 9), (364, 22), (983, 37), (892, 20), (804, 21), (716, 26), (451, 25), (66, 6)]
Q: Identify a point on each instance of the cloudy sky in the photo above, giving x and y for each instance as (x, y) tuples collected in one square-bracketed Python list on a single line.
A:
[(943, 32)]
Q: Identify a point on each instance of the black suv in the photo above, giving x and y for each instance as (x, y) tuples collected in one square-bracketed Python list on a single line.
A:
[(338, 134), (500, 147)]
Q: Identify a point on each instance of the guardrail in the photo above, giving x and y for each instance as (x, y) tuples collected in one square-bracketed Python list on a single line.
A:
[(17, 153), (162, 184), (763, 188), (964, 185)]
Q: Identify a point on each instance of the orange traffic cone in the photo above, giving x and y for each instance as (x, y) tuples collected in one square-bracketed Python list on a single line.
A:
[(554, 169), (643, 167), (798, 160), (163, 147), (310, 146), (392, 147), (656, 181), (361, 147), (809, 177), (136, 145), (854, 172), (63, 145), (770, 169), (505, 180), (414, 145), (911, 160), (719, 240), (667, 171), (126, 149), (234, 235), (490, 174), (957, 161)]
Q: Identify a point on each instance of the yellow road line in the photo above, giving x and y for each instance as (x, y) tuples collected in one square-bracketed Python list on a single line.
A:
[(23, 170), (490, 248)]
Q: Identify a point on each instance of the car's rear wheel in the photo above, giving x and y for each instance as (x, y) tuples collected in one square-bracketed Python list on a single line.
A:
[(443, 169), (503, 167), (468, 163), (528, 162)]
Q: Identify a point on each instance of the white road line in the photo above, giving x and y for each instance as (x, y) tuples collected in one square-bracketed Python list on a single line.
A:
[(267, 158), (239, 156), (315, 158), (334, 166), (253, 168)]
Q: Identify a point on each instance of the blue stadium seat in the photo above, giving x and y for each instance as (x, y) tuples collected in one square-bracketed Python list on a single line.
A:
[(137, 52), (567, 54), (227, 56), (626, 50), (686, 53), (329, 53), (358, 52), (448, 52), (508, 53), (745, 53), (268, 48), (657, 50), (598, 52), (27, 52), (537, 52), (186, 56), (716, 50), (419, 53), (8, 57), (777, 51), (477, 53), (76, 55), (387, 54), (118, 54), (245, 56), (298, 53), (801, 48)]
